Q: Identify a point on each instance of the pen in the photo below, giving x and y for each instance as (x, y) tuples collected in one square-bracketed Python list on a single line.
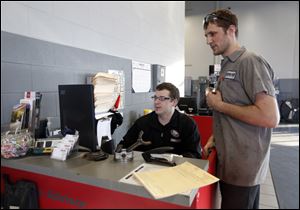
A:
[(127, 177), (138, 169)]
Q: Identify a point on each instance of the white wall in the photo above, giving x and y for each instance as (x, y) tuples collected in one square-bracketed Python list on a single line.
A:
[(150, 32), (270, 29)]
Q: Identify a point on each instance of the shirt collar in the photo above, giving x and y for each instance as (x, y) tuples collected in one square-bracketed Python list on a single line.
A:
[(173, 121), (236, 54)]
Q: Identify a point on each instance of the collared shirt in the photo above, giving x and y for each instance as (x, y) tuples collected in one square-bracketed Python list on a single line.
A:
[(181, 133), (243, 149)]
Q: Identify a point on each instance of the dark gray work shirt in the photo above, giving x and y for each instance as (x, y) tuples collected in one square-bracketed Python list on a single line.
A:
[(243, 149)]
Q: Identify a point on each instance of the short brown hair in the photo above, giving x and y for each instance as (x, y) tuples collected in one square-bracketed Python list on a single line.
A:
[(222, 18), (174, 92)]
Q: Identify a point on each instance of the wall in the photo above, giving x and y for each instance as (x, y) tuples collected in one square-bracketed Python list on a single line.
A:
[(44, 44), (270, 29), (32, 64), (145, 31)]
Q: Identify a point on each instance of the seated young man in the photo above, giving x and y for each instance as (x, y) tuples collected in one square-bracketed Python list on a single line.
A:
[(165, 126)]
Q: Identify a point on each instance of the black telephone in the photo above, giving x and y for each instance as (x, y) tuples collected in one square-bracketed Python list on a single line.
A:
[(160, 150)]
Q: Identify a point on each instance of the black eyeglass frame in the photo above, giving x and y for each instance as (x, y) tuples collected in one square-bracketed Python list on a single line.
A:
[(161, 98)]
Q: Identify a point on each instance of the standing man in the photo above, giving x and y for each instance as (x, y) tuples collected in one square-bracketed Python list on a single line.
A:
[(165, 126), (244, 113)]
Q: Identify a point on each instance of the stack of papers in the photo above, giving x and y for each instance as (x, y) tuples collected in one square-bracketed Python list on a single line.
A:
[(174, 180), (106, 91), (65, 146)]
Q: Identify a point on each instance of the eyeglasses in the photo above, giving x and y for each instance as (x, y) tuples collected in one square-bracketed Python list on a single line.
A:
[(161, 98), (214, 16)]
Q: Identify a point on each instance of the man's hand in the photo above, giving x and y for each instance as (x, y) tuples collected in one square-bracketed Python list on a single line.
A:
[(210, 144), (213, 99)]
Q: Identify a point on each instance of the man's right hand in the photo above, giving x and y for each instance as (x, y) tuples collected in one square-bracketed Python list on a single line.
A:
[(210, 144), (119, 148)]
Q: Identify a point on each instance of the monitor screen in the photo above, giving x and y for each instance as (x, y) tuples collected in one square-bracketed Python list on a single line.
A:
[(76, 103), (188, 105)]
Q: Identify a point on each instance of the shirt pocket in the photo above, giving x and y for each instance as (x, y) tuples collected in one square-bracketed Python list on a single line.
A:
[(233, 92)]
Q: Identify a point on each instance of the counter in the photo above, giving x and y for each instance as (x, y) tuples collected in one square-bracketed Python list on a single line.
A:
[(79, 183)]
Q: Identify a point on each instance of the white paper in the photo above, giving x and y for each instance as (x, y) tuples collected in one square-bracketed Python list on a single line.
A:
[(141, 77), (130, 179), (141, 80), (173, 180), (63, 147), (59, 153), (103, 129), (106, 91), (99, 115)]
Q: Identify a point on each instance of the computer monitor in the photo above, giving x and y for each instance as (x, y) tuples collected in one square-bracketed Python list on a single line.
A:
[(76, 103), (188, 105)]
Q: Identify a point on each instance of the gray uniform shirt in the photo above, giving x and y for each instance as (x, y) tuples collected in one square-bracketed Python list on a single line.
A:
[(243, 149)]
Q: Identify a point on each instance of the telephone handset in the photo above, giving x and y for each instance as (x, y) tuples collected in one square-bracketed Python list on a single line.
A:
[(161, 160)]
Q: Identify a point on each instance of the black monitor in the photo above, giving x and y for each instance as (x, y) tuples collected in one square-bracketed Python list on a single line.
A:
[(188, 105), (76, 103)]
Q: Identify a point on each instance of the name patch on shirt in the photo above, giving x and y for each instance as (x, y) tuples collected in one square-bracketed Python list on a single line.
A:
[(175, 140), (230, 75), (174, 133)]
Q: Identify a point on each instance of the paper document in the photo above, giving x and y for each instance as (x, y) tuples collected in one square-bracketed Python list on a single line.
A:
[(173, 180), (106, 91), (103, 129), (141, 80), (141, 77), (130, 179)]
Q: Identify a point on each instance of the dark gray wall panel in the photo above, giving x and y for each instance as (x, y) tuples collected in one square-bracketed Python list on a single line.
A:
[(44, 79), (15, 48), (2, 119), (71, 57), (49, 104), (15, 77), (7, 103), (42, 53), (31, 64), (288, 89)]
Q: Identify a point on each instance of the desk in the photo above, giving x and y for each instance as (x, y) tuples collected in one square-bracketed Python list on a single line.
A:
[(79, 183)]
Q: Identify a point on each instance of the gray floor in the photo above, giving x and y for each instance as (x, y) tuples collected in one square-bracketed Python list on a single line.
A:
[(284, 168), (268, 199), (281, 188)]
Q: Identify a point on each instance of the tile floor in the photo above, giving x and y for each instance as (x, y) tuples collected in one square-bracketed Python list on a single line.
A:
[(268, 198), (286, 135)]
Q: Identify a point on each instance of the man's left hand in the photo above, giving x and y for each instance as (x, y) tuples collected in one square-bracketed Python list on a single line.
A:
[(213, 99)]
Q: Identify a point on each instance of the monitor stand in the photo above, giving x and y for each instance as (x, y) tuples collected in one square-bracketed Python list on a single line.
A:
[(96, 156)]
